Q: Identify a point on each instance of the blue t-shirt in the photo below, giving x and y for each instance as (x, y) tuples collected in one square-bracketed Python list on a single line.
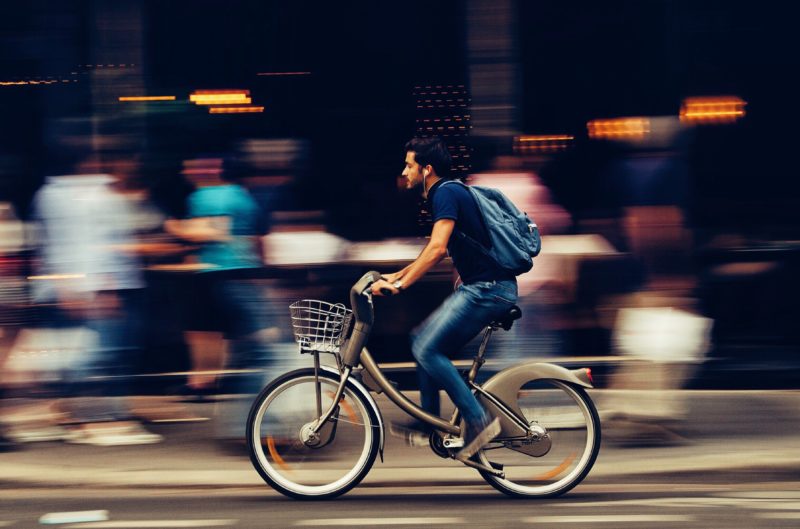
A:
[(455, 202), (246, 222)]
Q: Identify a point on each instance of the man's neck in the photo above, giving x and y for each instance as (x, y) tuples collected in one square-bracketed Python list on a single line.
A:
[(429, 183)]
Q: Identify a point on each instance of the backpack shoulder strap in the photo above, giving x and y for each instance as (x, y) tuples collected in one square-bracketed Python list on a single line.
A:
[(453, 181), (463, 236)]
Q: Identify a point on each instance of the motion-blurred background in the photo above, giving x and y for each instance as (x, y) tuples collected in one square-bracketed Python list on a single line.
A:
[(651, 141)]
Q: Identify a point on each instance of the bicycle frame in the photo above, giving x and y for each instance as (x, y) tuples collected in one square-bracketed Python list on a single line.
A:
[(355, 353)]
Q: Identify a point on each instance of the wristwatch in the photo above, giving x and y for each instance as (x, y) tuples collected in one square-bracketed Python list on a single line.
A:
[(398, 285)]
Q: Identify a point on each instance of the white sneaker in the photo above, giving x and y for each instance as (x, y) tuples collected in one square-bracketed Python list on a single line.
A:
[(114, 434), (478, 438), (39, 433)]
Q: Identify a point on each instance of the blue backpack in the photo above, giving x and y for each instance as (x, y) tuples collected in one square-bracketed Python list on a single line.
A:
[(514, 236)]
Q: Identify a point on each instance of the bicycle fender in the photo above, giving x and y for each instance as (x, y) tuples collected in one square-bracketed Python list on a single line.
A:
[(358, 386), (506, 384)]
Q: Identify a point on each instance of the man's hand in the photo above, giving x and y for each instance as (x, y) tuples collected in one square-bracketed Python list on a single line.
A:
[(200, 229), (383, 284), (391, 278)]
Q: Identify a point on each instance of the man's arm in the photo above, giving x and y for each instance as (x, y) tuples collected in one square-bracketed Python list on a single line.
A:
[(434, 251), (200, 229)]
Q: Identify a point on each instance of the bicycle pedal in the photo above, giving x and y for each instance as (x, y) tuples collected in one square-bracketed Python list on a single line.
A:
[(490, 469), (453, 442)]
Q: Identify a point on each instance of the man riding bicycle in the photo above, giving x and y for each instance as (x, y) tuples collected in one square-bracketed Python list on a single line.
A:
[(484, 293)]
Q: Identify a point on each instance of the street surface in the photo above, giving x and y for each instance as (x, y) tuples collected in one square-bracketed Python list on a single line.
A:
[(736, 465), (683, 503)]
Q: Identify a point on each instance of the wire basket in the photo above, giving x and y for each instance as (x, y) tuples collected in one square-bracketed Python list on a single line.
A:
[(319, 325)]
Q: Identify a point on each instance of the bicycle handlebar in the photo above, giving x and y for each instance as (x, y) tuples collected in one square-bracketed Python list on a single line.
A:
[(368, 291), (364, 317)]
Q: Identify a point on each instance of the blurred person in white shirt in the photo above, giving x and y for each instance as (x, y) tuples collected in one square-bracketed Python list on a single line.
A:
[(88, 277)]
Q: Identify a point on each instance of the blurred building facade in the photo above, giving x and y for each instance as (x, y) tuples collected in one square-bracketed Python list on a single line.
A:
[(585, 97)]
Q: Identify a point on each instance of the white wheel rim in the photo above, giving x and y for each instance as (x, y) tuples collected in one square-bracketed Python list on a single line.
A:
[(280, 479), (576, 471)]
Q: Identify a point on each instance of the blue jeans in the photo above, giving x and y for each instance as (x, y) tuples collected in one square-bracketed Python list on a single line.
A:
[(459, 319), (115, 354)]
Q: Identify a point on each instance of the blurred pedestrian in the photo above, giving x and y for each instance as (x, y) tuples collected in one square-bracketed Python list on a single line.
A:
[(13, 298), (89, 283), (227, 224), (537, 334), (658, 328)]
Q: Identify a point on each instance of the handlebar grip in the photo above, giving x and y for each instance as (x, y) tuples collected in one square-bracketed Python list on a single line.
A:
[(386, 292), (364, 318)]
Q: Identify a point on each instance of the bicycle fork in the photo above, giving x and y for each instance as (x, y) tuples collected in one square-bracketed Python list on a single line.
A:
[(311, 433)]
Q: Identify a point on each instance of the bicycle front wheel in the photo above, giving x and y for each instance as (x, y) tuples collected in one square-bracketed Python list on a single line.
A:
[(566, 417), (329, 465)]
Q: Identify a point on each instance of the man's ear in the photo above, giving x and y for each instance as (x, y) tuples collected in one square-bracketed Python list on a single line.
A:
[(426, 170)]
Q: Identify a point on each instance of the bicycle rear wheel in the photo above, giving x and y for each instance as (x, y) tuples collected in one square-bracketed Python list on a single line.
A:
[(328, 467), (566, 454)]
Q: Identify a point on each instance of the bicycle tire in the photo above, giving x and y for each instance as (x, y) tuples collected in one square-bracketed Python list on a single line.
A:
[(268, 467), (544, 485)]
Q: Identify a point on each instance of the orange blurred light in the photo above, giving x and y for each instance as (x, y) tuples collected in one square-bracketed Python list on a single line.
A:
[(223, 101), (555, 137), (235, 110), (716, 109), (618, 128), (541, 143), (147, 98), (220, 97)]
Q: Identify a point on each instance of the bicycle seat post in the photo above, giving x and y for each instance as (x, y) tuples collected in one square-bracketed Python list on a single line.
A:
[(478, 361)]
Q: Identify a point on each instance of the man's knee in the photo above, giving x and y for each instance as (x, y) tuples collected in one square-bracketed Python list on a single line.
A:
[(418, 348), (424, 349)]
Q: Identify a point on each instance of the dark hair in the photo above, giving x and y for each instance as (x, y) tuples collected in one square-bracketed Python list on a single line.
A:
[(433, 152), (234, 168)]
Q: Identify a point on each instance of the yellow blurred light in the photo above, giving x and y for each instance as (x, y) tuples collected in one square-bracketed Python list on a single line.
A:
[(57, 276), (618, 128), (147, 98), (28, 82), (716, 109), (235, 110), (225, 101), (220, 97)]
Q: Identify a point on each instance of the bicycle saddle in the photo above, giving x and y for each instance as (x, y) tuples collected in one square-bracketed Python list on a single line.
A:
[(514, 313)]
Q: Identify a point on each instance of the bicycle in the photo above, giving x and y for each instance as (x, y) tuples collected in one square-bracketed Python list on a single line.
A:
[(315, 433)]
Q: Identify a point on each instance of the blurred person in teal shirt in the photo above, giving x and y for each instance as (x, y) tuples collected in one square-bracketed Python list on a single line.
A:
[(231, 210), (227, 224)]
